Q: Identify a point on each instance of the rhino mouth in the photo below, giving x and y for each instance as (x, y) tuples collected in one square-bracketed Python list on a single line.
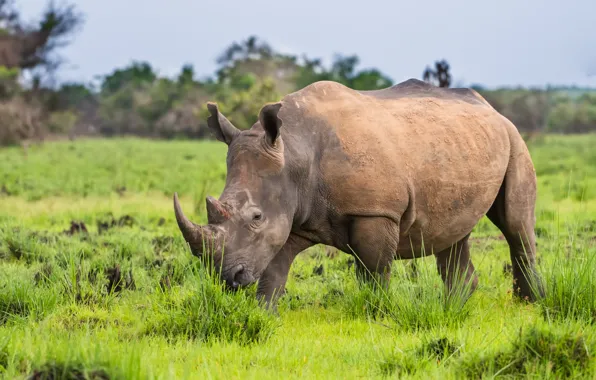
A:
[(238, 277)]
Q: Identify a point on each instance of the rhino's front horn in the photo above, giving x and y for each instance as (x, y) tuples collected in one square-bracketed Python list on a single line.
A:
[(192, 233)]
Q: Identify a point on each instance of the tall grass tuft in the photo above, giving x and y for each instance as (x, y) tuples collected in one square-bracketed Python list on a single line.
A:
[(205, 310), (570, 275), (418, 303), (20, 299), (561, 351)]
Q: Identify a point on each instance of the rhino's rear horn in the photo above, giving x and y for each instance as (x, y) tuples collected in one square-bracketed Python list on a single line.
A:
[(216, 212), (192, 233)]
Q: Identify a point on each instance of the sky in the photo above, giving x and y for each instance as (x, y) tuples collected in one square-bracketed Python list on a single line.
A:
[(493, 43)]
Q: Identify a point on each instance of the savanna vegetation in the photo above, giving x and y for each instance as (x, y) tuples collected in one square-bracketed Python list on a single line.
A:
[(96, 281), (137, 100)]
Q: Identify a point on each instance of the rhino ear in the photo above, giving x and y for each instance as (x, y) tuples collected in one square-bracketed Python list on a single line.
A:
[(270, 122), (222, 128)]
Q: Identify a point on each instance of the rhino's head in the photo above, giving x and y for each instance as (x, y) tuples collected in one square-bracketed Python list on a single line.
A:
[(251, 221)]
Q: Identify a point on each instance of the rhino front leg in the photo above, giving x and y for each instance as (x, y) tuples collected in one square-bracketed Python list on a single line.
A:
[(456, 268), (374, 242), (273, 280)]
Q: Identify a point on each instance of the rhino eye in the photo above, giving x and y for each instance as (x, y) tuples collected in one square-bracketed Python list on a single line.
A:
[(257, 216)]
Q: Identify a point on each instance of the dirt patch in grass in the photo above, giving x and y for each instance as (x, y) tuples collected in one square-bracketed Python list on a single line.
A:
[(108, 222), (118, 281), (76, 227)]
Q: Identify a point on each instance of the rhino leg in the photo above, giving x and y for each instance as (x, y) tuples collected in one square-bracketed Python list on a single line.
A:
[(374, 242), (513, 213), (273, 280), (456, 268)]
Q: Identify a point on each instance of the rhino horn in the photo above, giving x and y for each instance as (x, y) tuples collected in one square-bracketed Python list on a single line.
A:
[(192, 233), (216, 212)]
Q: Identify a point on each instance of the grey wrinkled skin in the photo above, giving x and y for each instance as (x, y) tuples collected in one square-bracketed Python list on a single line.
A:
[(390, 174)]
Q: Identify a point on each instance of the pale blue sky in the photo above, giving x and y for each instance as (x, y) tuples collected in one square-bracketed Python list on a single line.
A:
[(499, 42)]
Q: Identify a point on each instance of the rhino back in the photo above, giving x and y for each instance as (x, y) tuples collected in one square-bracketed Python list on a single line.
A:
[(432, 159)]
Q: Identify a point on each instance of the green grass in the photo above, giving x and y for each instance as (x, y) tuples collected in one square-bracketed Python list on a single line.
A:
[(123, 297)]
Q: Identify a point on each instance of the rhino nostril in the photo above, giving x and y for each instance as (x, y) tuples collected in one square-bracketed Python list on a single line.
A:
[(238, 276)]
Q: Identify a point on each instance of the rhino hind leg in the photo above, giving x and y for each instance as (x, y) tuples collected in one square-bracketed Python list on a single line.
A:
[(513, 213), (373, 241), (456, 268)]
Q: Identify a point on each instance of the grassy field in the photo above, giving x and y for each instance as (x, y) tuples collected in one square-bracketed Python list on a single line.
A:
[(96, 281)]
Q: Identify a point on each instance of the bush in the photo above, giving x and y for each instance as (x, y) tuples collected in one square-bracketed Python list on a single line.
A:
[(9, 84), (19, 121), (62, 121)]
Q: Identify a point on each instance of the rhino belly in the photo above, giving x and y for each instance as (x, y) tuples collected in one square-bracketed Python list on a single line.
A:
[(445, 211)]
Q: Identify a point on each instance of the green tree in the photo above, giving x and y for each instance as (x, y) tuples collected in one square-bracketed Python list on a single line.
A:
[(251, 49), (186, 76), (529, 110), (74, 95), (343, 70), (371, 79), (561, 117), (136, 74)]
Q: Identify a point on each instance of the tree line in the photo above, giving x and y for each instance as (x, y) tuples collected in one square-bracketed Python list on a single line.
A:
[(137, 100)]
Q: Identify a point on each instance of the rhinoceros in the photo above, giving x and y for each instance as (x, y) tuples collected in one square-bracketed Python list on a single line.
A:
[(396, 173)]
